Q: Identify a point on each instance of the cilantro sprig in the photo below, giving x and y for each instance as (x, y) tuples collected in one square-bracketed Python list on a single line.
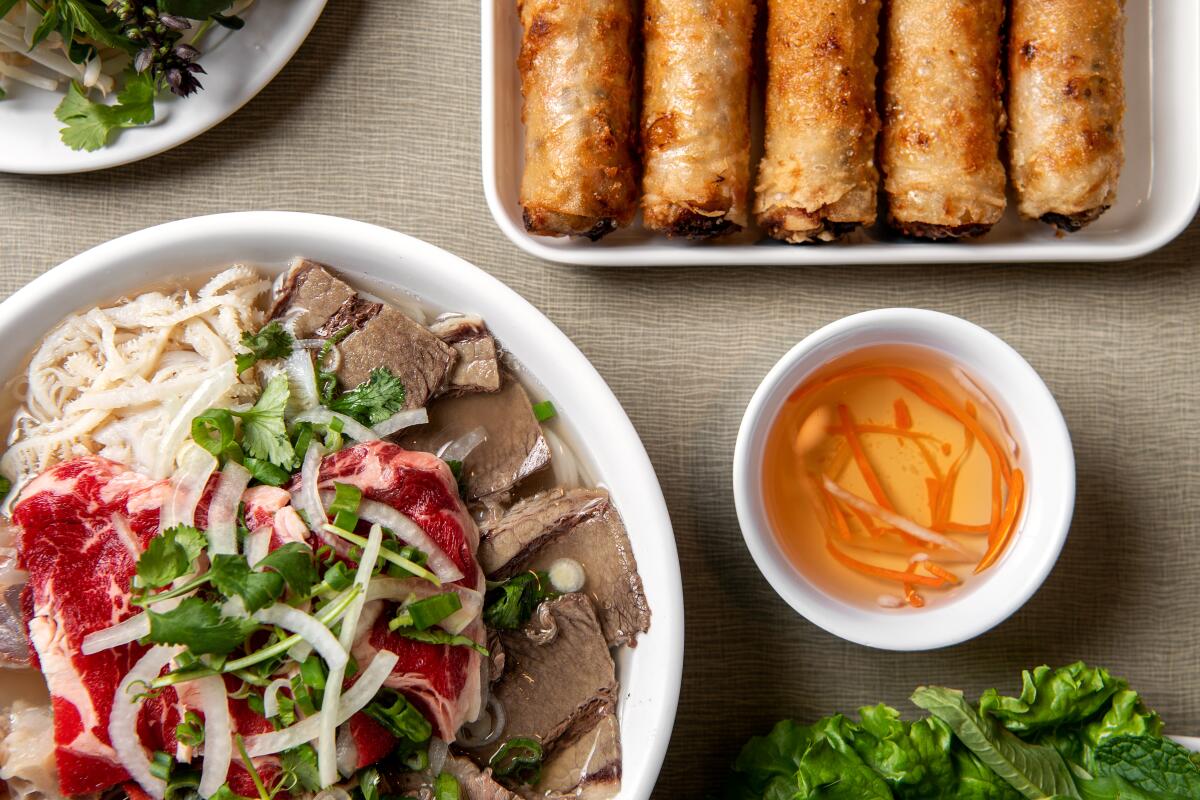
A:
[(260, 443), (270, 343), (373, 400), (90, 124)]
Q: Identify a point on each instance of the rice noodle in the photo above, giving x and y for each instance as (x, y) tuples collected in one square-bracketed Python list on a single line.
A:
[(222, 512), (351, 427), (408, 532), (116, 381), (122, 723), (401, 420), (218, 733)]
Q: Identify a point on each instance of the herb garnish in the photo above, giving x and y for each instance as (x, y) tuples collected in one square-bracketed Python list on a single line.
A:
[(271, 342), (373, 400), (509, 605)]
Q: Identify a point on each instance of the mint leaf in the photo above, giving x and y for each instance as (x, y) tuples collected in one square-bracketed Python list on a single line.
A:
[(373, 400), (1034, 770), (169, 556), (270, 343), (231, 576), (1149, 763), (264, 434), (200, 627)]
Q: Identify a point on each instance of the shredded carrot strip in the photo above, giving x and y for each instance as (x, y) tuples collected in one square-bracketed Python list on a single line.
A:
[(1008, 524), (903, 417), (932, 485), (835, 513), (879, 572), (942, 572), (946, 499), (910, 592), (860, 456)]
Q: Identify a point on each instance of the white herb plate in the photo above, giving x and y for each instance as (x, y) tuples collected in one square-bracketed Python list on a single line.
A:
[(603, 436), (239, 64), (1159, 191)]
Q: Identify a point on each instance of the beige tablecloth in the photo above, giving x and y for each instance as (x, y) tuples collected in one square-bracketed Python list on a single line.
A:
[(377, 118)]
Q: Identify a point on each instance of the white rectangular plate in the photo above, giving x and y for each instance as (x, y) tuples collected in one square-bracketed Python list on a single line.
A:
[(1159, 191)]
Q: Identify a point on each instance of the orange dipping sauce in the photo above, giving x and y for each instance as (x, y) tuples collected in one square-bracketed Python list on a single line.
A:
[(890, 477)]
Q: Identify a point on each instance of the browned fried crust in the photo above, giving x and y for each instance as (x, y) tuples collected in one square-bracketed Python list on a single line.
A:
[(923, 230), (576, 66)]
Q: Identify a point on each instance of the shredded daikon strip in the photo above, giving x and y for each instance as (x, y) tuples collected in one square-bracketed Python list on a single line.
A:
[(122, 723), (892, 518), (352, 428), (218, 733), (222, 512), (116, 381), (196, 466), (352, 701)]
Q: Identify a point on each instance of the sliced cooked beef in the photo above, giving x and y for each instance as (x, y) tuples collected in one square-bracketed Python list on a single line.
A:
[(477, 368), (320, 305), (584, 525), (587, 768), (514, 447), (475, 784), (391, 339), (558, 674), (14, 647), (310, 291)]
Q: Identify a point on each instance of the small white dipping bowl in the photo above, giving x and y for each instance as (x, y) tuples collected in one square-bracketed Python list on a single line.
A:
[(1034, 420)]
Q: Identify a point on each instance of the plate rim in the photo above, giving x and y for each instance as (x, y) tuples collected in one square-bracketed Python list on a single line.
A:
[(659, 680), (110, 157)]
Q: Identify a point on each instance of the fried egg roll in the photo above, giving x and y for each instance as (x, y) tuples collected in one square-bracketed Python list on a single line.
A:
[(818, 179), (1066, 103), (943, 117), (576, 68), (696, 116)]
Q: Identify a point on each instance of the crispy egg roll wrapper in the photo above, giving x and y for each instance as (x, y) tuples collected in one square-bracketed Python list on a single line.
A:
[(1066, 103), (577, 81), (818, 177), (943, 117), (696, 116)]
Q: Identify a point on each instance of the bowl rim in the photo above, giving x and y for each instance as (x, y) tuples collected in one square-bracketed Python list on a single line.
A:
[(650, 691), (1027, 561)]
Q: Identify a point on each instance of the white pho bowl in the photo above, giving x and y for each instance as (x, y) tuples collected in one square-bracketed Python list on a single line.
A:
[(1032, 416)]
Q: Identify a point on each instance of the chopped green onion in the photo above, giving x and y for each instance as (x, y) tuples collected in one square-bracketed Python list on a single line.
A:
[(400, 717), (214, 430), (368, 784), (339, 576), (344, 508), (387, 555), (438, 636), (160, 765), (424, 614), (446, 787), (455, 468), (303, 435), (413, 554), (544, 410), (520, 758), (333, 435), (190, 732)]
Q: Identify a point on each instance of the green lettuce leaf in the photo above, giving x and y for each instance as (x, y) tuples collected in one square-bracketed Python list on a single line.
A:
[(767, 765), (1034, 770), (1051, 698)]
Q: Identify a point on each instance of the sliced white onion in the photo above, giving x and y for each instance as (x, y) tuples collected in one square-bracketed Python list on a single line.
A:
[(258, 544), (302, 380), (351, 427), (332, 793), (563, 461), (347, 752), (124, 632), (352, 701), (401, 420), (307, 497), (400, 589), (567, 575), (892, 518), (218, 733), (309, 627), (222, 512), (487, 729), (207, 395), (438, 750), (410, 533), (327, 744), (299, 652), (271, 696), (122, 722), (458, 449), (196, 465)]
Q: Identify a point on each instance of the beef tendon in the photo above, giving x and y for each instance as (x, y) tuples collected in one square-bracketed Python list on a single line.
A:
[(577, 81), (943, 117), (696, 116), (818, 178), (1065, 106)]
